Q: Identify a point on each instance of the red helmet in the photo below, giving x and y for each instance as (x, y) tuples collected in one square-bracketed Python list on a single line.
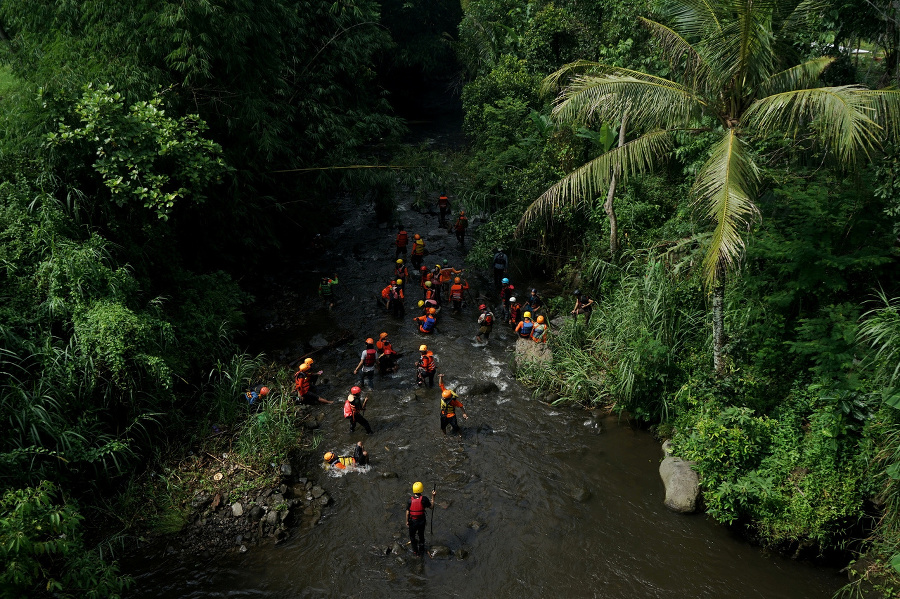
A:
[(482, 307), (264, 391), (424, 269), (511, 286), (355, 390)]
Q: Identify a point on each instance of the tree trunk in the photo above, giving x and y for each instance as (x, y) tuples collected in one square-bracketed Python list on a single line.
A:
[(719, 322), (609, 206)]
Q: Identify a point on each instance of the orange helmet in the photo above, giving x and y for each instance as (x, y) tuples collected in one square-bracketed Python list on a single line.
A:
[(447, 394), (382, 336), (431, 311), (304, 367), (264, 391), (540, 320), (456, 280), (329, 456), (308, 361), (417, 236), (462, 212), (370, 341)]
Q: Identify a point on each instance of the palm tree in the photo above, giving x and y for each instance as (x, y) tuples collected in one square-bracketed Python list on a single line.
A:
[(737, 79)]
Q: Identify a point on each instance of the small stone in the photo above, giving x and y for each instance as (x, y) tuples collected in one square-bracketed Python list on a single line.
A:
[(476, 525), (317, 492), (398, 549), (272, 518), (444, 504), (298, 490), (283, 489), (311, 424), (239, 539), (281, 536), (200, 501), (324, 500), (439, 552), (389, 475), (581, 494), (461, 553), (320, 417), (276, 499), (256, 512), (237, 509), (302, 480), (243, 549)]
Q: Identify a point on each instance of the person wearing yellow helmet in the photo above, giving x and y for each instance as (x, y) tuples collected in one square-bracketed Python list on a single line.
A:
[(401, 272), (462, 223), (360, 457), (525, 327), (400, 243), (397, 297), (540, 330), (415, 517), (303, 386), (426, 366), (449, 403), (366, 366)]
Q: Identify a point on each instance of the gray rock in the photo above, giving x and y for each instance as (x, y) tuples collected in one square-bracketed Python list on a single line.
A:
[(318, 342), (284, 515), (553, 397), (440, 552), (484, 388), (239, 539), (476, 525), (320, 417), (527, 351), (682, 484), (580, 494), (389, 475), (557, 323), (283, 488), (398, 549), (276, 499), (324, 499), (317, 492), (237, 509), (243, 549), (311, 424), (272, 518), (298, 490), (461, 553), (286, 470), (256, 513), (200, 501)]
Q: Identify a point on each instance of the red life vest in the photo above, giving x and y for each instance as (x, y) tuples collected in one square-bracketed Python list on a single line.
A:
[(349, 409), (369, 360), (427, 362), (416, 509), (386, 292), (386, 347), (401, 239), (489, 319)]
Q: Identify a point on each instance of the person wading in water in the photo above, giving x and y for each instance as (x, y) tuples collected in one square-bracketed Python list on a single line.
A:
[(415, 517)]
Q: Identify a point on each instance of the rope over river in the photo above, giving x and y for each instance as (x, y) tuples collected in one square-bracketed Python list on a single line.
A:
[(533, 501)]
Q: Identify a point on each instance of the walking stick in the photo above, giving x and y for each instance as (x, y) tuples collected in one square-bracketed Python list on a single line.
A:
[(433, 491)]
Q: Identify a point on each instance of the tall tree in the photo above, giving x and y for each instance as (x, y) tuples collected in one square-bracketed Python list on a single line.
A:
[(737, 76)]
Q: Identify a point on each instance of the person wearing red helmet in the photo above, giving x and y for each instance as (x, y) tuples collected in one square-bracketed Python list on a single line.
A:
[(449, 403), (485, 323), (366, 366), (353, 409)]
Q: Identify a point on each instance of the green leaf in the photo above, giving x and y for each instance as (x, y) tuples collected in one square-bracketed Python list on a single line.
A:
[(893, 471)]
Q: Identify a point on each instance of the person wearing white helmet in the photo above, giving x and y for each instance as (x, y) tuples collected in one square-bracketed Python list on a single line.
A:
[(515, 311)]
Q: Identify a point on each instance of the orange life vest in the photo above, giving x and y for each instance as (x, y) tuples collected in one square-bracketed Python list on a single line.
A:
[(402, 239), (349, 408), (427, 362), (456, 292), (443, 201), (301, 383), (386, 292)]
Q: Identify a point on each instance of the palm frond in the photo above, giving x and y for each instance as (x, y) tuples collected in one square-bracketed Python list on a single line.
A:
[(585, 183), (694, 18), (792, 14), (551, 82), (886, 106), (844, 116), (654, 102), (801, 76), (675, 48), (726, 185)]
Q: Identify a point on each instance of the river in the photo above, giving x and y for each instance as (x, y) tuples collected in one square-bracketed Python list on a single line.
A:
[(564, 505)]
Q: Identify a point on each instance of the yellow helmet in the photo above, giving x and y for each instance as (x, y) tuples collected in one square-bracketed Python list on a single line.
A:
[(447, 394), (423, 348), (399, 281), (399, 260), (418, 487), (428, 283), (526, 315), (304, 367), (421, 303), (308, 361), (329, 456)]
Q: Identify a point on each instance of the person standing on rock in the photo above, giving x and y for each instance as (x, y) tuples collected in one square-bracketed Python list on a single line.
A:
[(539, 332), (443, 210), (501, 263), (418, 251), (353, 409), (485, 323), (415, 517), (402, 240), (449, 403), (514, 311), (462, 223), (366, 366), (525, 326)]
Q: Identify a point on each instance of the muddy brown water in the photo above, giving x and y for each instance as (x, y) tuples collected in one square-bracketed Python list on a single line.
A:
[(567, 506)]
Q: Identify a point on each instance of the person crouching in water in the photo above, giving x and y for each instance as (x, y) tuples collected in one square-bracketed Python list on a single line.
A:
[(427, 322), (449, 403), (425, 367), (353, 409), (539, 332), (360, 457), (486, 323), (525, 327)]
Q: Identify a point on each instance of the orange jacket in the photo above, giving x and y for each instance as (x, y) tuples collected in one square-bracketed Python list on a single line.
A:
[(456, 290)]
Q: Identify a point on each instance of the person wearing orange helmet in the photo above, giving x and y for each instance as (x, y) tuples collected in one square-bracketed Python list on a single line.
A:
[(387, 361), (456, 293), (426, 366), (303, 386), (449, 403), (257, 393), (366, 366), (400, 243), (360, 457), (418, 251), (485, 323), (427, 322), (540, 330), (354, 408), (312, 375), (446, 274), (462, 223), (444, 210)]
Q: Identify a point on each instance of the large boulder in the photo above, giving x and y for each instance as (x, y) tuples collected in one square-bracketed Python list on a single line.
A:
[(529, 351), (681, 482)]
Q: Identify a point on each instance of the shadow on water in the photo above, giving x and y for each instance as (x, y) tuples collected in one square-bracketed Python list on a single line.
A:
[(544, 501)]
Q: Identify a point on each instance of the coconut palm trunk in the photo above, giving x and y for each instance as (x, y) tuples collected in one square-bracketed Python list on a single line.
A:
[(609, 206)]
